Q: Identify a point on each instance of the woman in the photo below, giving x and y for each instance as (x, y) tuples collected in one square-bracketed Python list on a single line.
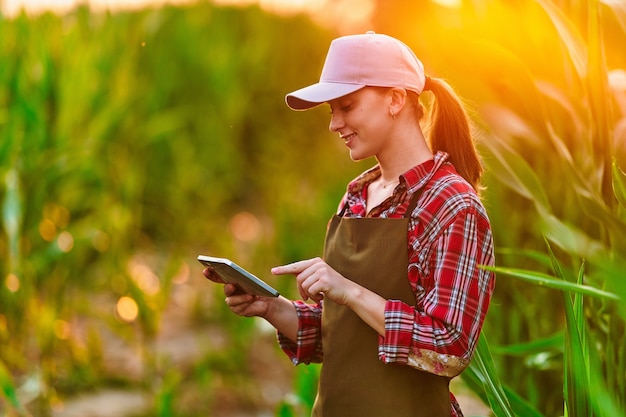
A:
[(399, 298)]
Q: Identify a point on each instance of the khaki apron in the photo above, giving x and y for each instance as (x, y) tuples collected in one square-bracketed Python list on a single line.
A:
[(353, 382)]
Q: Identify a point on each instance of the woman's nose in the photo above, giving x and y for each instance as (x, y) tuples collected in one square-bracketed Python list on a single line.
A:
[(336, 122)]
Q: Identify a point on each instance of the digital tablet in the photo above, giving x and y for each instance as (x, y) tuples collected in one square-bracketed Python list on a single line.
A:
[(232, 273)]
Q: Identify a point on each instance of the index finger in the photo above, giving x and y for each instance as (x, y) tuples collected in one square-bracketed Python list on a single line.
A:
[(294, 268), (211, 275)]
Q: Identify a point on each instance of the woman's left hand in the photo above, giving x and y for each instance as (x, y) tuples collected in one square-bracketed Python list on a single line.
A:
[(317, 280)]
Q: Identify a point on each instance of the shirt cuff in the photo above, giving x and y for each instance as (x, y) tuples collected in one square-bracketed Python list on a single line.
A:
[(397, 344), (308, 346), (290, 348)]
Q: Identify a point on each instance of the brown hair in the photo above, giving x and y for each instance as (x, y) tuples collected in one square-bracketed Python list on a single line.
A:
[(450, 131)]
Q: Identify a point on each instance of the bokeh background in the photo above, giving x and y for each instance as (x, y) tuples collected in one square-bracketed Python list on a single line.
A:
[(134, 138)]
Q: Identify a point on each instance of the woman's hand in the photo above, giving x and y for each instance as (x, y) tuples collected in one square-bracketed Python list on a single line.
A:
[(317, 280), (239, 302), (278, 311)]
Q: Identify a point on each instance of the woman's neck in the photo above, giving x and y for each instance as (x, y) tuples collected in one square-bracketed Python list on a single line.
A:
[(393, 164)]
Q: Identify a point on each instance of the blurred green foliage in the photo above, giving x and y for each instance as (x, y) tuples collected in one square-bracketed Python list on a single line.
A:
[(130, 142)]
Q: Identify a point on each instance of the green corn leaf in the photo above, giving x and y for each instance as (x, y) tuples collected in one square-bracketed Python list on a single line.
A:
[(7, 387), (571, 239), (517, 174), (619, 184), (578, 308), (569, 34), (576, 386), (540, 257), (520, 406), (603, 399), (556, 266), (503, 401), (619, 10), (485, 371), (12, 214), (548, 281), (576, 381), (599, 99), (594, 207), (550, 343)]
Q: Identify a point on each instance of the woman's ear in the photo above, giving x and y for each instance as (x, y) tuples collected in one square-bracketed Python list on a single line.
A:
[(398, 99)]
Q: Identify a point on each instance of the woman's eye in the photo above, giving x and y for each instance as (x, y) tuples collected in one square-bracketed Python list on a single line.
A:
[(344, 109)]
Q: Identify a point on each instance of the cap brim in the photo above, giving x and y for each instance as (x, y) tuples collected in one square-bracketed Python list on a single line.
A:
[(316, 94)]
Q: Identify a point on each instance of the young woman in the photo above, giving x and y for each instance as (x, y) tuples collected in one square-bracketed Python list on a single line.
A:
[(398, 300)]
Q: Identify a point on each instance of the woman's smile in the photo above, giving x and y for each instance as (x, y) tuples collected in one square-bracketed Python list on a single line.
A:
[(348, 138)]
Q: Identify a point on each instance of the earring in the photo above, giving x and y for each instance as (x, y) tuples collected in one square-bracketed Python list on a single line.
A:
[(393, 115)]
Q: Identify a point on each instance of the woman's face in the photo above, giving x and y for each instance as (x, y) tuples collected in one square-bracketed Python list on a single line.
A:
[(362, 120)]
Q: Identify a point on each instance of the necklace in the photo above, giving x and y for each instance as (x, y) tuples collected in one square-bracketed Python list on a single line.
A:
[(385, 185)]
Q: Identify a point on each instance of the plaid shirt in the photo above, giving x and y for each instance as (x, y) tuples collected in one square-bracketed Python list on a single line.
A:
[(449, 237)]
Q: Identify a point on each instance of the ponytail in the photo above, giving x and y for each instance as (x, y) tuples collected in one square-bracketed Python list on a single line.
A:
[(450, 131)]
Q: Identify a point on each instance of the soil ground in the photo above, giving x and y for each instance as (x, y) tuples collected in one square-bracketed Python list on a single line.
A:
[(182, 344)]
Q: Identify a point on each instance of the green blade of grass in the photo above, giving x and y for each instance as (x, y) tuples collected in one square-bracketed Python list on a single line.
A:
[(520, 406), (484, 370), (570, 238), (576, 380), (535, 255), (577, 368), (619, 184), (8, 388), (503, 402), (599, 102), (12, 215), (548, 281), (618, 8), (576, 384), (602, 397), (517, 173), (569, 34), (550, 343)]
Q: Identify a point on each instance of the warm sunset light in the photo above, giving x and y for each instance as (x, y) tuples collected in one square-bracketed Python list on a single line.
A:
[(12, 7), (448, 3), (347, 14), (245, 226), (127, 309), (12, 283)]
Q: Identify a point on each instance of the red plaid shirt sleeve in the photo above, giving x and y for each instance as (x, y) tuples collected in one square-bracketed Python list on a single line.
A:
[(308, 346), (450, 240)]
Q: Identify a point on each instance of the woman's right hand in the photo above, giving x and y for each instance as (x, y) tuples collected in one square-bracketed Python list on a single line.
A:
[(239, 302)]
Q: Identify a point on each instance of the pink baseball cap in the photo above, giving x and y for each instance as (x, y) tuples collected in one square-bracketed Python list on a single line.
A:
[(357, 61)]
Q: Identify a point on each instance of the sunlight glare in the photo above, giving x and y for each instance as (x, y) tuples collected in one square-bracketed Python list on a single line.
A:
[(344, 15), (453, 4), (127, 309), (65, 241), (12, 283), (182, 276), (47, 230), (62, 329), (145, 279), (245, 226)]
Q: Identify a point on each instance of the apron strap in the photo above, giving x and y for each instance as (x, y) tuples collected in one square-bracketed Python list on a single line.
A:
[(343, 209), (413, 203)]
